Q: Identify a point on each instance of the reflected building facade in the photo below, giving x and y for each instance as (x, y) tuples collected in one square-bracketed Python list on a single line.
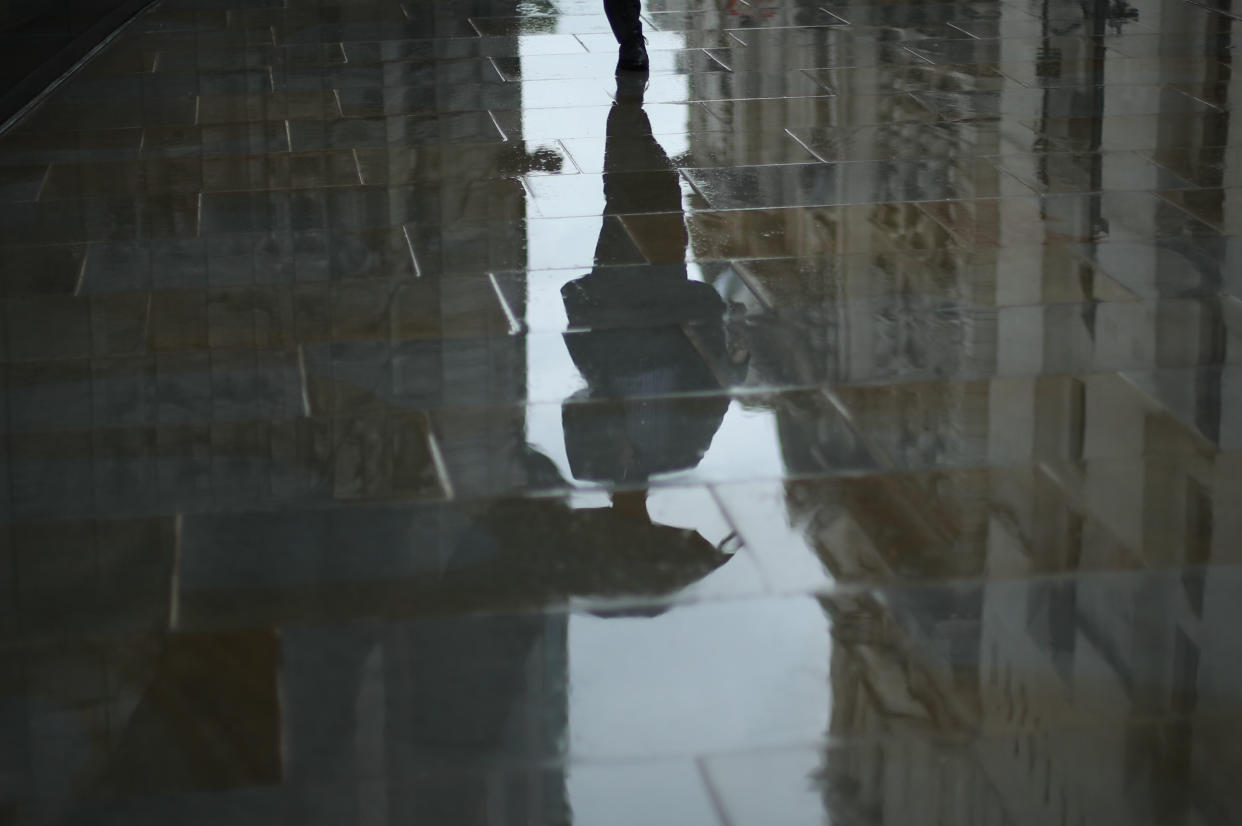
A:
[(222, 645), (987, 680)]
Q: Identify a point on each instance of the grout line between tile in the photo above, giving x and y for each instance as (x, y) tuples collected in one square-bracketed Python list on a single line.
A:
[(918, 56), (1127, 376), (1217, 108), (963, 31), (716, 60), (570, 157), (86, 256), (803, 144), (1213, 9), (753, 284), (821, 84), (306, 405), (515, 326), (409, 245), (883, 460), (834, 14), (841, 20), (174, 585), (503, 136), (47, 173), (769, 587), (437, 459), (713, 794), (146, 318)]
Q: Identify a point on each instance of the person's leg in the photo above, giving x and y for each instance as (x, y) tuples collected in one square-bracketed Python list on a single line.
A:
[(627, 28)]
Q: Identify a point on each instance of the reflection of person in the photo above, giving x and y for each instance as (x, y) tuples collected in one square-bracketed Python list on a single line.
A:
[(629, 328), (334, 696), (628, 29)]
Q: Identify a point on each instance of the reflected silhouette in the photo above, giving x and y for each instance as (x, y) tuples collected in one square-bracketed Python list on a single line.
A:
[(642, 337), (628, 339)]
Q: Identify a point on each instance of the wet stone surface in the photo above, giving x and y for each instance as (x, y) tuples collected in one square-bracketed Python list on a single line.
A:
[(406, 419)]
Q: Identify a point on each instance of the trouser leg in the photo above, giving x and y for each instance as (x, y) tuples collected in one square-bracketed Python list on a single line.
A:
[(623, 17)]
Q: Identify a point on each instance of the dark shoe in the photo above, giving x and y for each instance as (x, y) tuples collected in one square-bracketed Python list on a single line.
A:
[(633, 55), (630, 87)]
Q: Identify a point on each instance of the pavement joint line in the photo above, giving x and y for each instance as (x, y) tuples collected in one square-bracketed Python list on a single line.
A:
[(515, 325), (409, 245), (441, 466)]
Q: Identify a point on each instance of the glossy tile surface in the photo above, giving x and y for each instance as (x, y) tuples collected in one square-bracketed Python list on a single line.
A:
[(406, 420)]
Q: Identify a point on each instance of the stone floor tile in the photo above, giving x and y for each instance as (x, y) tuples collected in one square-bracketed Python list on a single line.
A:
[(1206, 205), (909, 140), (604, 299), (887, 108), (946, 340), (1012, 276), (592, 121), (1208, 167), (717, 235), (1066, 173), (72, 145), (919, 527), (1193, 394), (899, 14), (538, 24), (18, 183), (1155, 45), (648, 790), (1168, 266), (1118, 133), (658, 41), (550, 67), (405, 416), (799, 785), (1121, 71), (705, 438), (374, 31), (861, 182), (579, 195), (740, 84), (318, 135), (893, 78), (473, 557)]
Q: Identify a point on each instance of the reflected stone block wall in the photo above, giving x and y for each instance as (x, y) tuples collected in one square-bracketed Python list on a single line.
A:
[(315, 353), (1012, 664)]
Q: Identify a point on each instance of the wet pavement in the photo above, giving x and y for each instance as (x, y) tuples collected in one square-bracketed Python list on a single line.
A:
[(409, 422)]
